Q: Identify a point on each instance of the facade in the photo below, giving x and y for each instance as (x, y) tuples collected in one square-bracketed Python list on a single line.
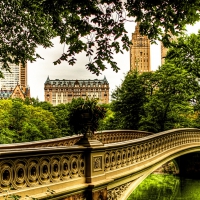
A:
[(17, 76), (165, 49), (163, 53), (63, 91), (140, 52), (14, 83), (17, 92)]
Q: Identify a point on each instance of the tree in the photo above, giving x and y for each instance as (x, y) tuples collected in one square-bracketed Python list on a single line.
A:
[(85, 115), (95, 27), (18, 114), (170, 103), (110, 121), (61, 115), (128, 101), (39, 125), (185, 53), (20, 122), (157, 101), (6, 135)]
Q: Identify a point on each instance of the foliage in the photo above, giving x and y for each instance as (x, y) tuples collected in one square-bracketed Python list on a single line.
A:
[(157, 101), (41, 125), (128, 101), (109, 122), (95, 27), (185, 53), (85, 114), (61, 115), (170, 102), (21, 123), (6, 135)]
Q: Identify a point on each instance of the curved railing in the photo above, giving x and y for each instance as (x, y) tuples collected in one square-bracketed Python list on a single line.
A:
[(143, 154), (40, 167), (133, 151), (103, 136), (61, 167)]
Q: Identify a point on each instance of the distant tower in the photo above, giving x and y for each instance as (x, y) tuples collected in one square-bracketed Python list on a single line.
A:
[(140, 52), (23, 75), (165, 49)]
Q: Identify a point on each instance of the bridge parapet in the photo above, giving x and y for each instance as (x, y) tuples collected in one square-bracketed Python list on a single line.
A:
[(104, 171), (104, 136), (42, 167), (126, 153)]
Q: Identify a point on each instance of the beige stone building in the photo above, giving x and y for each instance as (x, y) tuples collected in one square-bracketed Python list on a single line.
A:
[(163, 53), (63, 91), (164, 49), (140, 52)]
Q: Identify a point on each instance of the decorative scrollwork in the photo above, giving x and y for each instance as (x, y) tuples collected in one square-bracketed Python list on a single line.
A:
[(97, 163), (6, 175), (30, 172), (116, 193), (19, 180)]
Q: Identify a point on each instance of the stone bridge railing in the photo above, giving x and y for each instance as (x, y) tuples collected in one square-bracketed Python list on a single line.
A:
[(95, 172), (104, 136)]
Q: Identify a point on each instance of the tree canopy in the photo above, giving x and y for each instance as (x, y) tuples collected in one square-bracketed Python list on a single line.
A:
[(128, 101), (95, 27), (156, 101), (185, 53)]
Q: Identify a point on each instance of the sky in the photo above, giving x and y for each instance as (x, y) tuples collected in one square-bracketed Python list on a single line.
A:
[(42, 68)]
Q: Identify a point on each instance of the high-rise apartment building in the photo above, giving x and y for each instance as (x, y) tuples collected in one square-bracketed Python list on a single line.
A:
[(140, 52), (23, 75), (16, 76), (14, 82), (63, 91)]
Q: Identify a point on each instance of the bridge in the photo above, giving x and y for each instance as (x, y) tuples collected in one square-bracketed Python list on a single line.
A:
[(109, 166)]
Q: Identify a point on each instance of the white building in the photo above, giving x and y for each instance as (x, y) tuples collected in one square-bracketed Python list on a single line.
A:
[(16, 76)]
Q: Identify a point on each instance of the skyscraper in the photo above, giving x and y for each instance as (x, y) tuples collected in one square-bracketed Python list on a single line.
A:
[(16, 76), (140, 52), (14, 83)]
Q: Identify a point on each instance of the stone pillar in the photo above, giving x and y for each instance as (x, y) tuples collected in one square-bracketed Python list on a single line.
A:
[(95, 175)]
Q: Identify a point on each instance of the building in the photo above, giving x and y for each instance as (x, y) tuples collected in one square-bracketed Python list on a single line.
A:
[(163, 53), (165, 49), (140, 52), (17, 75), (63, 91), (17, 92), (14, 83)]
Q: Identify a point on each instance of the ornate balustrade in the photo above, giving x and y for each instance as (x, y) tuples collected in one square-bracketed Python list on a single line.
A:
[(131, 152), (107, 137), (103, 168), (104, 136), (40, 167), (133, 156)]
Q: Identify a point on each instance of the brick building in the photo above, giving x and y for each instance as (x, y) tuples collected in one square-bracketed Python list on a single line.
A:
[(140, 52), (63, 91)]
